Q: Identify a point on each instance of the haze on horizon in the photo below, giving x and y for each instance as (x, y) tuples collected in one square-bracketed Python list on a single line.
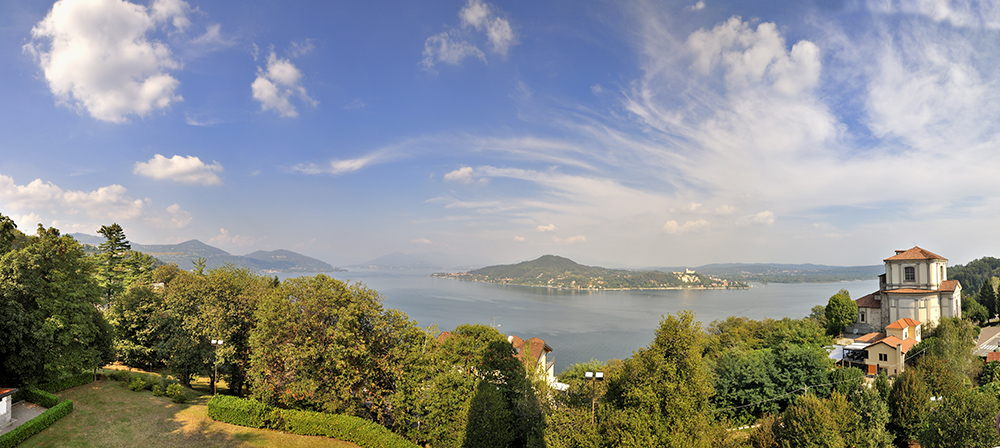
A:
[(637, 133)]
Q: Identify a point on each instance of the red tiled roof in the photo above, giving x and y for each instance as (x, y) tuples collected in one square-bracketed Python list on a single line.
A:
[(916, 254), (870, 337), (949, 285), (893, 341), (993, 356), (911, 291), (903, 323), (6, 391), (536, 347), (444, 336), (869, 301)]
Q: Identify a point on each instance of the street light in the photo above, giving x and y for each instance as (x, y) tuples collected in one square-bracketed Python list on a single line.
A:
[(593, 377), (215, 379)]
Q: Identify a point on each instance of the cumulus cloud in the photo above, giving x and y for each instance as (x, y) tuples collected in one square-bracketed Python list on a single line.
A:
[(106, 204), (183, 169), (519, 239), (463, 175), (674, 228), (546, 228), (97, 56), (276, 84), (478, 20), (697, 6)]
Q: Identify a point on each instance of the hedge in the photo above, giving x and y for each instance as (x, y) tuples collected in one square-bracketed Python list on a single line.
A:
[(35, 425), (40, 397), (67, 382), (252, 413)]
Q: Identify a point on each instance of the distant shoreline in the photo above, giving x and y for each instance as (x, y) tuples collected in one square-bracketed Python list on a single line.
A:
[(564, 288)]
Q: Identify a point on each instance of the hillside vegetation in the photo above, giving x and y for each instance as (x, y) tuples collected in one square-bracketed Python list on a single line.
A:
[(552, 271)]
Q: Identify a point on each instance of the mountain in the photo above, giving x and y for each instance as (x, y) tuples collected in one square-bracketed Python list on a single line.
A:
[(559, 272), (184, 255), (791, 273)]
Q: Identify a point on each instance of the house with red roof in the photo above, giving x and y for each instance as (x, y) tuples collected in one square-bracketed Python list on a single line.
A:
[(914, 286), (534, 353)]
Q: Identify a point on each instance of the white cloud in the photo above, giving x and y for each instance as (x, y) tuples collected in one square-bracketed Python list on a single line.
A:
[(673, 228), (453, 46), (519, 239), (174, 218), (420, 241), (183, 169), (697, 6), (764, 218), (97, 56), (547, 228), (276, 84), (463, 175), (225, 239), (576, 239)]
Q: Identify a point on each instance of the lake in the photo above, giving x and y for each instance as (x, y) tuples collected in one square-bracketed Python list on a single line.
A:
[(584, 325)]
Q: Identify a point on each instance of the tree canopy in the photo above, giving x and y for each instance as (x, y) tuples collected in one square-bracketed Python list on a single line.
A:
[(841, 311)]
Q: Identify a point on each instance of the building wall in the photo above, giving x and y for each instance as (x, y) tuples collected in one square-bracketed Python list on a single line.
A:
[(892, 365)]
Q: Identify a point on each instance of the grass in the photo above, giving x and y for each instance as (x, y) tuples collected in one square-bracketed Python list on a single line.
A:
[(106, 414)]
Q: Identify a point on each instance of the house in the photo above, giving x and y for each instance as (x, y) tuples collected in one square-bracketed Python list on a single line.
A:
[(534, 353), (884, 352), (914, 286), (6, 397)]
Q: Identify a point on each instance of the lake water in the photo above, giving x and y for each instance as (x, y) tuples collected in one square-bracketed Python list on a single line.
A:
[(584, 325)]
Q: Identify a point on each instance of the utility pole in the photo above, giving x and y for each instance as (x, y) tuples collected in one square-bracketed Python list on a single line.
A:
[(215, 379), (593, 377)]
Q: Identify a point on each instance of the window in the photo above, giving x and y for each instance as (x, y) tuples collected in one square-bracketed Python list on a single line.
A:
[(883, 357), (861, 316), (910, 274)]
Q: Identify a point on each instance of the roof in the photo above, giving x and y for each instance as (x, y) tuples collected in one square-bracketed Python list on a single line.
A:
[(950, 285), (893, 341), (903, 323), (444, 336), (916, 254), (992, 356), (7, 391), (870, 337), (535, 348), (911, 291), (869, 301)]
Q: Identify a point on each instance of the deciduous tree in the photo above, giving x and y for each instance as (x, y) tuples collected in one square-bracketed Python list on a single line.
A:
[(841, 311)]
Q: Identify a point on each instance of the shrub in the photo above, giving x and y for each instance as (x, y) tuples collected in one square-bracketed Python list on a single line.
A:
[(68, 382), (33, 426), (158, 391), (40, 397), (243, 412), (137, 384), (176, 393), (254, 414)]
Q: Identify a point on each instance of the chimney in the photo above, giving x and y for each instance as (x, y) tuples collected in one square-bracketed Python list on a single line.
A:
[(899, 251)]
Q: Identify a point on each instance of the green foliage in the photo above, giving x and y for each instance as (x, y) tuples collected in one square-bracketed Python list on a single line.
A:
[(180, 332), (112, 251), (952, 341), (176, 393), (745, 378), (909, 403), (321, 344), (490, 423), (841, 311), (849, 380), (809, 422), (973, 310), (158, 391), (254, 414), (975, 273), (871, 430), (660, 396), (965, 419), (48, 313), (989, 373), (67, 382), (40, 397), (818, 313), (36, 425), (882, 386), (135, 315), (988, 297), (137, 384)]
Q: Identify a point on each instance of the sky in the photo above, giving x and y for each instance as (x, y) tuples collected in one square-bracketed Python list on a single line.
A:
[(619, 133)]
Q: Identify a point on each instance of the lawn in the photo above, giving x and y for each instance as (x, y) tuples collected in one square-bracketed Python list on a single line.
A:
[(106, 414)]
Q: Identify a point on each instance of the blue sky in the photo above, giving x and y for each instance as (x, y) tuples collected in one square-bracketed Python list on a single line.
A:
[(633, 133)]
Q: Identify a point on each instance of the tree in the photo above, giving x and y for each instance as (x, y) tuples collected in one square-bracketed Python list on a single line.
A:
[(48, 295), (134, 318), (974, 311), (908, 401), (660, 396), (809, 422), (873, 416), (325, 345), (965, 419), (988, 298), (113, 250), (818, 313), (745, 378), (841, 311), (181, 338)]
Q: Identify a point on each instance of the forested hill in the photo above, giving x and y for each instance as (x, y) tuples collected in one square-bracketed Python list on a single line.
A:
[(974, 274), (184, 255), (791, 273), (558, 272)]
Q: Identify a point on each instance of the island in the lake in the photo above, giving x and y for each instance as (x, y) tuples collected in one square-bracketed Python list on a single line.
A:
[(551, 271)]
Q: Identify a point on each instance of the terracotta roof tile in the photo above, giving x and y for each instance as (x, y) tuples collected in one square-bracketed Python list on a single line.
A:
[(911, 291), (903, 323), (916, 254), (893, 341), (993, 356), (536, 347), (444, 336), (949, 285), (869, 301), (6, 391), (871, 337)]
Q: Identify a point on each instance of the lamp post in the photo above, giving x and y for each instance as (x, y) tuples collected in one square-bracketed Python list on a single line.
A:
[(593, 377), (215, 379)]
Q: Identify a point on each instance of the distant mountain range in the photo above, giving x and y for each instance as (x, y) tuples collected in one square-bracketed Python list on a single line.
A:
[(552, 271), (184, 255)]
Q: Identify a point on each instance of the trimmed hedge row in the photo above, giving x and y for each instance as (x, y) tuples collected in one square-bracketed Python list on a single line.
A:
[(35, 425), (254, 414), (40, 397), (67, 382)]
